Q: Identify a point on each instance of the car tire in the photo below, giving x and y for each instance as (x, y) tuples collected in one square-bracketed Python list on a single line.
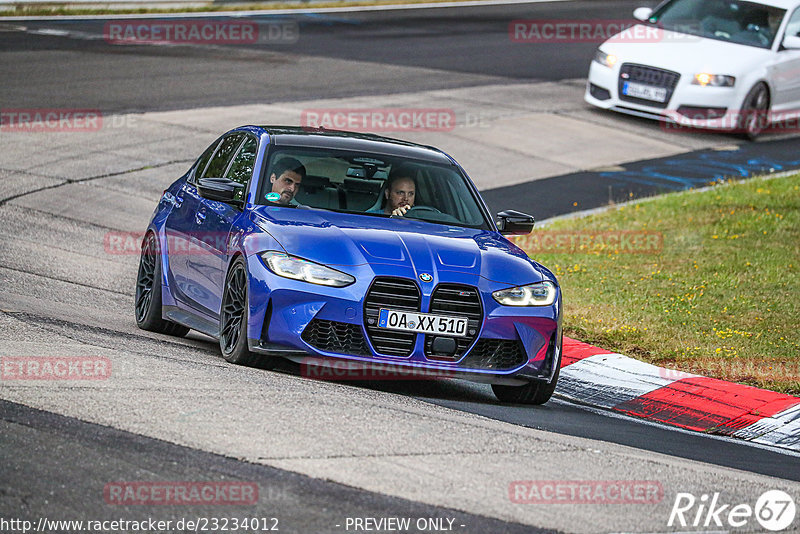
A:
[(537, 392), (233, 318), (148, 292), (753, 119)]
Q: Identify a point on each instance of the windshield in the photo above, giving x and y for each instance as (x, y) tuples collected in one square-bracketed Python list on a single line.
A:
[(373, 185), (744, 23)]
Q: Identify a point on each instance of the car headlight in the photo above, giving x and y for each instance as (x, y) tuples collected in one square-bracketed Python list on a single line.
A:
[(609, 60), (714, 80), (299, 269), (538, 294)]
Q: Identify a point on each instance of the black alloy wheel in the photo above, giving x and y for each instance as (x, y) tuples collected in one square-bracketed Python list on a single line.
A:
[(148, 292), (233, 320), (145, 279), (534, 392)]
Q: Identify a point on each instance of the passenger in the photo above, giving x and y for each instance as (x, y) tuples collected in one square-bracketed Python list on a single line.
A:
[(287, 175), (399, 194)]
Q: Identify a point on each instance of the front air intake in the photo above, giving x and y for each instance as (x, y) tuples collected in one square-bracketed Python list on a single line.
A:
[(395, 294), (460, 301)]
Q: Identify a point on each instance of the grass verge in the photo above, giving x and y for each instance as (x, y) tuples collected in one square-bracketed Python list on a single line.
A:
[(704, 282)]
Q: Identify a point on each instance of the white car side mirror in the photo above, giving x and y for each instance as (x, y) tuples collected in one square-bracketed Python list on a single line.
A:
[(791, 42), (642, 13)]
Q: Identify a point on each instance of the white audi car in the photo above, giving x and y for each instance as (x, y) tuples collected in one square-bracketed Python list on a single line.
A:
[(718, 64)]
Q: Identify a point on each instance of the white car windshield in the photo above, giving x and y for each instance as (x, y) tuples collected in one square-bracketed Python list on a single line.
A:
[(745, 23)]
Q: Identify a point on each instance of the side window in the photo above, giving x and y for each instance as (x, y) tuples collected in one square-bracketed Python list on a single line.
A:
[(242, 167), (793, 27), (203, 161), (216, 168)]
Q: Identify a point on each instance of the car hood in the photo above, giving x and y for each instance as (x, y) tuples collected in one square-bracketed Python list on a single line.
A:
[(338, 239), (684, 53)]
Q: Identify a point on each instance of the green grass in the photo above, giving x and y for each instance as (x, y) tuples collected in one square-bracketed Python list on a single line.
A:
[(722, 296), (56, 9)]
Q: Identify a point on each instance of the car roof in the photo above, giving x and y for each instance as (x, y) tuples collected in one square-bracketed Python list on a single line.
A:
[(342, 140)]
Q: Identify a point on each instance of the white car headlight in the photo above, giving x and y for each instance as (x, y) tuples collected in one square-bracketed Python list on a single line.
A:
[(608, 60), (714, 80), (299, 269), (538, 294)]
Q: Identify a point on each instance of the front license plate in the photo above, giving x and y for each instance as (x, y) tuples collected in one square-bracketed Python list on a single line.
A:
[(647, 92), (423, 323)]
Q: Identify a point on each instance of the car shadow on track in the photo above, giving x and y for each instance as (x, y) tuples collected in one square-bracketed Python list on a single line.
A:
[(450, 392), (435, 389)]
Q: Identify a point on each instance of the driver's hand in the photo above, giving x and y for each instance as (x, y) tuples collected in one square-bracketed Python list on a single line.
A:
[(399, 212)]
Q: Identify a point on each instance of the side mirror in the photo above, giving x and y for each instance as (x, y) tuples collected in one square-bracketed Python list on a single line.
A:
[(512, 222), (791, 42), (222, 190), (642, 13)]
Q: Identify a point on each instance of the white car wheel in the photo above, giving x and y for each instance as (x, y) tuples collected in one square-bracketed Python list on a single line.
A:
[(754, 116)]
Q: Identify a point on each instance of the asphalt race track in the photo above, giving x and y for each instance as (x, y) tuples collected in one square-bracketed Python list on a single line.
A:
[(336, 55), (321, 453)]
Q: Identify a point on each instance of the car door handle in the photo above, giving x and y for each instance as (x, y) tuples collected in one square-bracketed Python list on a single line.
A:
[(199, 217), (179, 196)]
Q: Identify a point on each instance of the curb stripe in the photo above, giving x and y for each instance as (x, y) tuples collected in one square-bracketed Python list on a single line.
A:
[(610, 379), (782, 430), (766, 411), (707, 405), (605, 379), (574, 350)]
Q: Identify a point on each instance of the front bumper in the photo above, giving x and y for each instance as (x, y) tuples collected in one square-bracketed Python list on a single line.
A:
[(509, 345), (689, 105)]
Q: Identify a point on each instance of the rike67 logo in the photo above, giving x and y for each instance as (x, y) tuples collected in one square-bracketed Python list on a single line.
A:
[(774, 510)]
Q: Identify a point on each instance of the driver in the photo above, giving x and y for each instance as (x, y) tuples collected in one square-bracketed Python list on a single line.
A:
[(399, 194), (287, 175)]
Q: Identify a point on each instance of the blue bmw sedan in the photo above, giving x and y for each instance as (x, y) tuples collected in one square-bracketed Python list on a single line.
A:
[(295, 243)]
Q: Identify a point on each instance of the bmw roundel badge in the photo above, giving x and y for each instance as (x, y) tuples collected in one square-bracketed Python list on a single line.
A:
[(425, 277)]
